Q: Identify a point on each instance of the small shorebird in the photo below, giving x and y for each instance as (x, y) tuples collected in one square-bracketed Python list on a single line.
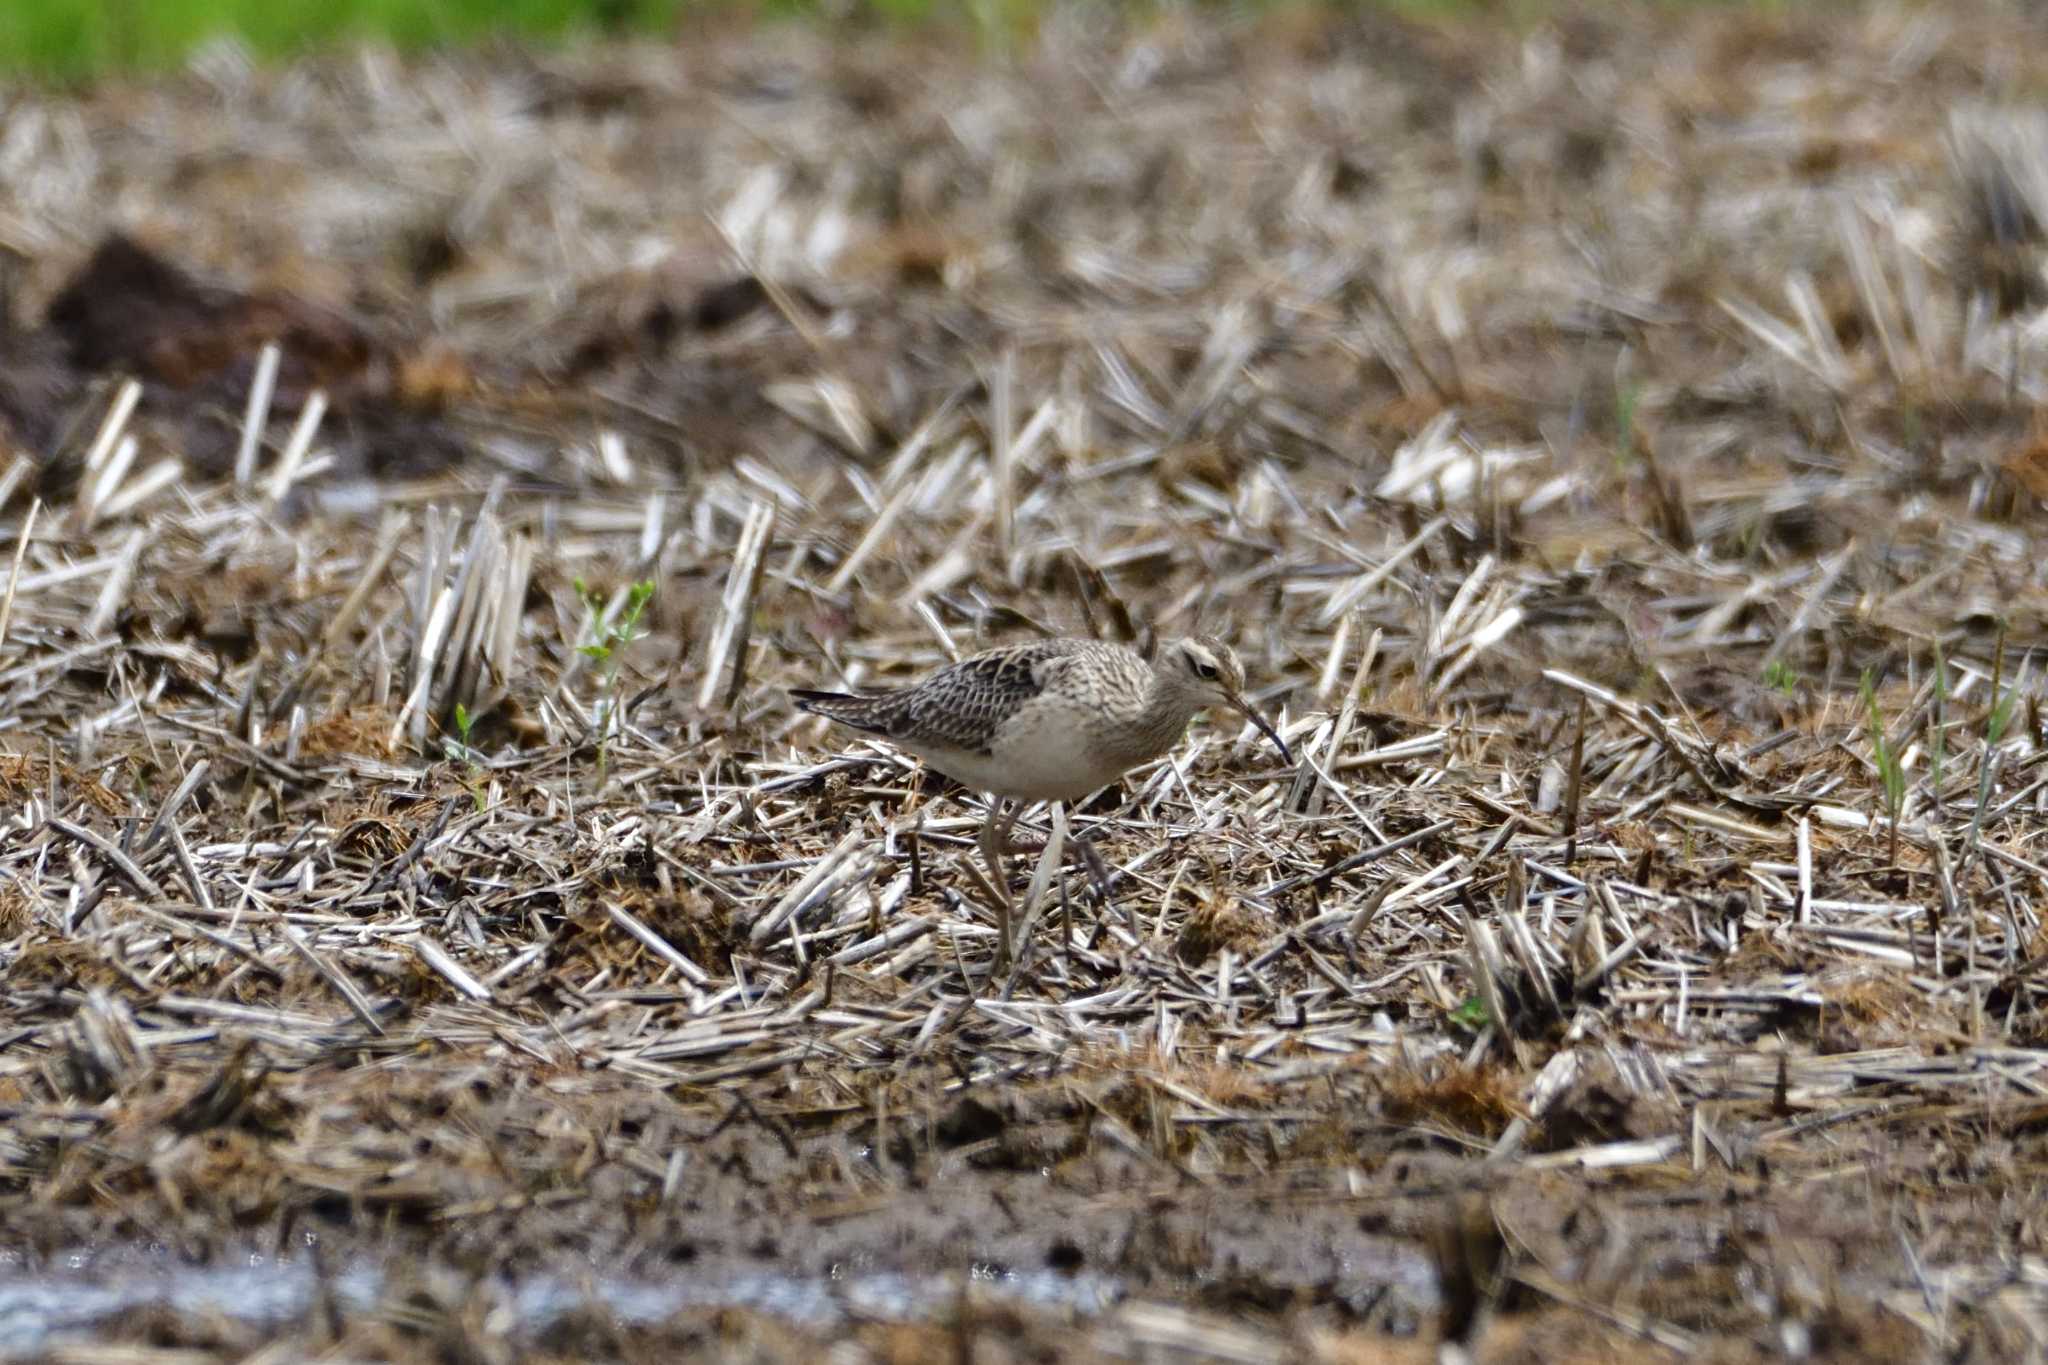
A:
[(1048, 721)]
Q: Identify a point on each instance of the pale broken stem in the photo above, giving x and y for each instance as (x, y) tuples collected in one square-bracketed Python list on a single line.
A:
[(115, 591), (1878, 299), (118, 413), (1333, 661), (658, 945), (777, 295), (1830, 570), (140, 489), (611, 455), (1321, 780), (28, 530), (653, 527), (511, 599), (17, 470), (1804, 836), (437, 958), (877, 532), (1354, 591), (475, 587), (351, 994), (736, 609), (102, 487), (168, 815), (396, 524), (295, 449), (257, 415), (415, 707), (1407, 340), (804, 892)]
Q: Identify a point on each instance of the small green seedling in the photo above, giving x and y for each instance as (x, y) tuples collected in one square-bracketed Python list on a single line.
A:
[(462, 751), (609, 637), (1998, 720), (1781, 677), (1471, 1015)]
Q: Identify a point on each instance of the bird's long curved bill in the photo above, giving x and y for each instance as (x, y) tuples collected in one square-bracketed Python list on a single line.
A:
[(1265, 729)]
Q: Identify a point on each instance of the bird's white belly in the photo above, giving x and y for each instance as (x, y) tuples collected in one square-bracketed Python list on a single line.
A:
[(1044, 753)]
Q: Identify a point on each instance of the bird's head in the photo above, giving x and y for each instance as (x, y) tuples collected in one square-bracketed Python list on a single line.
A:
[(1203, 671)]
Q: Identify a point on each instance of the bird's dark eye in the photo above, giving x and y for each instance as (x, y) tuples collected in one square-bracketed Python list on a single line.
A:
[(1204, 670)]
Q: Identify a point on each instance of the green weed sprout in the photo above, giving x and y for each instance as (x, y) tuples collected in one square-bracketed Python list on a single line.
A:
[(606, 647), (460, 750), (1781, 677), (2000, 717), (1471, 1015)]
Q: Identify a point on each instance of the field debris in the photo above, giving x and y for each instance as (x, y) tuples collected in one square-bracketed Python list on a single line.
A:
[(1614, 442)]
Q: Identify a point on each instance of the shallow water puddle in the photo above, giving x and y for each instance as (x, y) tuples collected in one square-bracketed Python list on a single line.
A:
[(95, 1287)]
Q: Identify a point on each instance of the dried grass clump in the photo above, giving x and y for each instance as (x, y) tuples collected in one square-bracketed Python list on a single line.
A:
[(1213, 926), (1473, 1102)]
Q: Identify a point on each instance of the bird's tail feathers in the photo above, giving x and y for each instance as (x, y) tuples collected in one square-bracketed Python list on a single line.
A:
[(861, 713)]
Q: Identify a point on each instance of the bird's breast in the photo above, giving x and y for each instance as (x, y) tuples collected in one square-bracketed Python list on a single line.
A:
[(1046, 752)]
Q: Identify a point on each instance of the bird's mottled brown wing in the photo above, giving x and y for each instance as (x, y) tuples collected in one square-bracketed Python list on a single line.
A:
[(962, 706)]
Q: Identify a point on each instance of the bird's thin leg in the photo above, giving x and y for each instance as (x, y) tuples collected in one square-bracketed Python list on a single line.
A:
[(1009, 825), (992, 854), (995, 833)]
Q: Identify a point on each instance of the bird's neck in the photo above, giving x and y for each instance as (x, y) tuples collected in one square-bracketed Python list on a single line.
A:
[(1167, 713)]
